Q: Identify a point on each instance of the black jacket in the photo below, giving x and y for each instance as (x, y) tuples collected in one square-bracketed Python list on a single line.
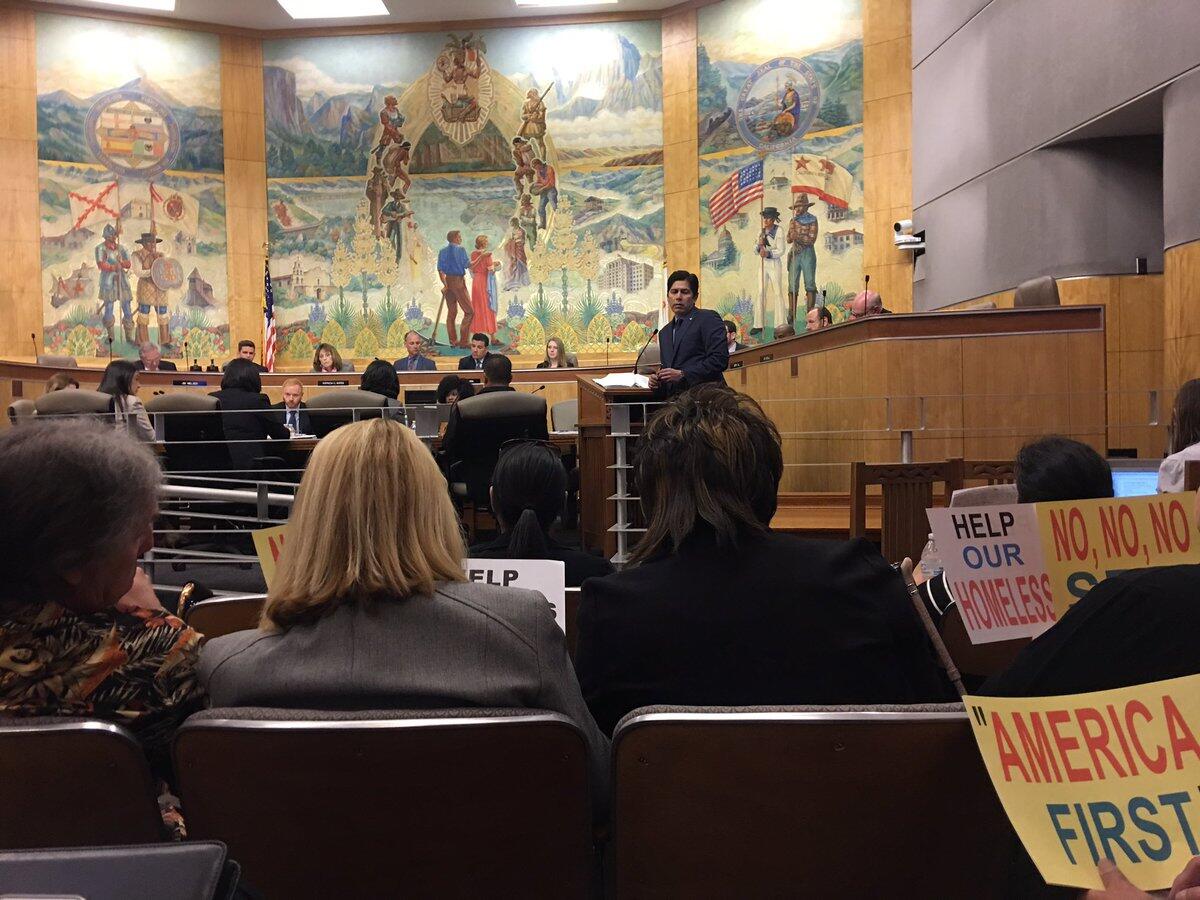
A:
[(164, 365), (699, 347), (579, 563), (781, 620), (245, 416), (468, 362), (305, 419)]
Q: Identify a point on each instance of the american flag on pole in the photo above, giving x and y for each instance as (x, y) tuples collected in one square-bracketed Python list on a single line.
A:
[(268, 319), (742, 187)]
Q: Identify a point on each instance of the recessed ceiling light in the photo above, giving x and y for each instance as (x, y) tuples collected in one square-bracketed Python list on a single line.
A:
[(333, 9), (157, 5), (565, 2)]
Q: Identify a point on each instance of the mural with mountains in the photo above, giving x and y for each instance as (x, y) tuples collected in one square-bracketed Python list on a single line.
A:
[(765, 272), (541, 146), (130, 141)]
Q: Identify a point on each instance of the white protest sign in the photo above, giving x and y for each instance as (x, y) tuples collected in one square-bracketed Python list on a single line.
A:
[(549, 576), (995, 569)]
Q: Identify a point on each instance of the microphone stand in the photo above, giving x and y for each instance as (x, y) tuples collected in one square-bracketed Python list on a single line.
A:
[(638, 361)]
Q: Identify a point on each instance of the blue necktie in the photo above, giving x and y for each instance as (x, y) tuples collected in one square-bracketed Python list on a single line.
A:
[(294, 419)]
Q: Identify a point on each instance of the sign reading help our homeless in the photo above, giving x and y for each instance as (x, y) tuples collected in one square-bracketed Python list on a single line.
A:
[(1111, 774), (549, 576)]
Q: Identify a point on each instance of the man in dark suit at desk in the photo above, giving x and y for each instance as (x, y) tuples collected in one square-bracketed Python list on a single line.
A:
[(415, 361), (479, 353), (293, 410), (693, 346), (150, 360), (247, 351)]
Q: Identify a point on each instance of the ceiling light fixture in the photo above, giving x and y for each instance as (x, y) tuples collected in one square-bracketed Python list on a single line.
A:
[(156, 5), (333, 9), (547, 3)]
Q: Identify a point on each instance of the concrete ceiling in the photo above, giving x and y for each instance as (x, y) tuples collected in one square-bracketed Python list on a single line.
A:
[(268, 15)]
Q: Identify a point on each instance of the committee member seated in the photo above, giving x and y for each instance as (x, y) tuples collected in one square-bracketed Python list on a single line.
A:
[(692, 346), (1183, 437), (529, 489), (150, 359), (414, 360), (717, 609), (246, 415), (60, 381), (731, 332), (247, 351), (479, 353), (480, 425), (865, 304), (817, 318), (327, 360), (120, 380), (451, 389), (78, 636), (293, 410), (387, 591), (557, 356)]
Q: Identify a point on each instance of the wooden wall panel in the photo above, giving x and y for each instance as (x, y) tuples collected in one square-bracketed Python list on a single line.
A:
[(680, 143), (20, 249), (1181, 315)]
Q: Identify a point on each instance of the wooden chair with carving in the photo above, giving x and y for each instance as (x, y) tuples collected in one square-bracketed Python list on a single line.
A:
[(989, 471), (907, 490)]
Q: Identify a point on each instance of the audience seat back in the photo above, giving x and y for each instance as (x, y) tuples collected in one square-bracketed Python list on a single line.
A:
[(192, 430), (980, 660), (218, 616), (564, 415), (333, 409), (74, 402), (804, 802), (74, 783), (21, 412), (385, 804), (486, 422)]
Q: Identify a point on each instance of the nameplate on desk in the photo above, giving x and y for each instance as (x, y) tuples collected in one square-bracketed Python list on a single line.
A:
[(766, 357), (333, 382), (189, 382), (735, 365)]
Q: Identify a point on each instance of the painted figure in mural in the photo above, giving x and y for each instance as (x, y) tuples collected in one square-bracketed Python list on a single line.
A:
[(522, 154), (802, 255), (516, 270), (545, 185), (391, 121), (770, 248), (393, 218), (377, 190), (452, 265), (149, 294), (789, 110), (528, 218), (460, 68), (483, 287), (113, 261), (533, 119), (395, 163)]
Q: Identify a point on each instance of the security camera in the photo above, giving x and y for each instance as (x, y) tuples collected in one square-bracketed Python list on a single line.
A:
[(904, 226), (905, 238)]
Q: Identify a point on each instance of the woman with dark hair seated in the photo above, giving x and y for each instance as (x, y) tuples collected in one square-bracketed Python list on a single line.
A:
[(120, 380), (380, 378), (451, 389), (246, 414), (717, 609), (1183, 437), (529, 489)]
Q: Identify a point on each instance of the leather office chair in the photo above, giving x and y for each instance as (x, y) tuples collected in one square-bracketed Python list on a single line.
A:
[(218, 616), (1037, 292), (76, 403), (74, 782), (455, 803), (485, 423), (21, 412), (333, 409), (57, 361), (191, 428), (564, 415), (782, 801)]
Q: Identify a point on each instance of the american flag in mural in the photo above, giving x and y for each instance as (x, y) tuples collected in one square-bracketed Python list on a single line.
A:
[(268, 319), (742, 187)]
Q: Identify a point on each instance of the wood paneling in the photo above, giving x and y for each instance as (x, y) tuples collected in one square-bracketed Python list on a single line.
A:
[(1181, 314), (681, 169)]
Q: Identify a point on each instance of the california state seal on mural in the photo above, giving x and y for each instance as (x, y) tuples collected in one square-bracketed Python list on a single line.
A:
[(778, 104), (460, 88)]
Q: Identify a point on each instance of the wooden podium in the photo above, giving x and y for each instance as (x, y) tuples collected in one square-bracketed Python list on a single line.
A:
[(609, 516)]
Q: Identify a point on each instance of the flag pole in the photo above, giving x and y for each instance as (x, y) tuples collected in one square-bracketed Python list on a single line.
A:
[(266, 248)]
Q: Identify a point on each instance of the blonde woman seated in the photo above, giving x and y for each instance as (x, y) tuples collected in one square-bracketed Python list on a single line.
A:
[(384, 588), (556, 356)]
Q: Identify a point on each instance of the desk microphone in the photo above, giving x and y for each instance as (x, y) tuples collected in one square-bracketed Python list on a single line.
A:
[(110, 343), (33, 340), (637, 361), (540, 387)]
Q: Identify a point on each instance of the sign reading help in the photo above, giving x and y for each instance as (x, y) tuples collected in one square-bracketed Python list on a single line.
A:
[(1086, 541), (268, 544), (1108, 774), (549, 576), (994, 569)]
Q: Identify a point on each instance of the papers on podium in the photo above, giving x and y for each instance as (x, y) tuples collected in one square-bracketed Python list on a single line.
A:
[(623, 380)]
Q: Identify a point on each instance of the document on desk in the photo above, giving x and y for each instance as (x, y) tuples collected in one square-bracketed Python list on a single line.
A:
[(623, 379)]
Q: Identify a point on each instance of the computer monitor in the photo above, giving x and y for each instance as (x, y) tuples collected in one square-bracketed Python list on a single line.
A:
[(420, 397), (1134, 477)]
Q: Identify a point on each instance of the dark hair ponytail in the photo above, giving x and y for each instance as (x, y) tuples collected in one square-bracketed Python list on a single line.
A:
[(529, 487), (527, 540)]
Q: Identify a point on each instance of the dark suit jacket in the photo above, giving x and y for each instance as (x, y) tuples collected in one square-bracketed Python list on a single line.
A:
[(261, 368), (424, 364), (164, 365), (698, 347), (305, 419), (473, 445), (246, 417), (579, 563), (783, 620), (468, 361)]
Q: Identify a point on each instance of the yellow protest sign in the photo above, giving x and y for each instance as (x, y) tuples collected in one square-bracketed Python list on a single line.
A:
[(1086, 541), (268, 544), (1109, 774)]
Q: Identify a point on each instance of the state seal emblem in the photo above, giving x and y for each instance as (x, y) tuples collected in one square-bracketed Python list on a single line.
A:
[(777, 104)]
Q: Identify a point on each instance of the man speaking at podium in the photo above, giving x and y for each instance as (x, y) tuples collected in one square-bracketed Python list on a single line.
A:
[(692, 346)]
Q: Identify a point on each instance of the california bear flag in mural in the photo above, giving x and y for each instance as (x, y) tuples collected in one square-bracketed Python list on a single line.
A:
[(504, 181)]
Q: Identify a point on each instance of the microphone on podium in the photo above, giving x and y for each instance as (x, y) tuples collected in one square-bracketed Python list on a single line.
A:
[(540, 387), (33, 340), (637, 361)]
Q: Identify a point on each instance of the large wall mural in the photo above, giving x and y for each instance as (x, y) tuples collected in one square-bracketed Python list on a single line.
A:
[(132, 194), (779, 95), (540, 146)]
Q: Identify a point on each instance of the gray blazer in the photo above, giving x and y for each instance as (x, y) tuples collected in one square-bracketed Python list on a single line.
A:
[(467, 645)]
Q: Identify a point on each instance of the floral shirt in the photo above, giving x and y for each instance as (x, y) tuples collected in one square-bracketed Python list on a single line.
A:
[(132, 666)]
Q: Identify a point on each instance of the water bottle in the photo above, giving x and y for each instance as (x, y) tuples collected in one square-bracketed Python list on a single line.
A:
[(931, 560)]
